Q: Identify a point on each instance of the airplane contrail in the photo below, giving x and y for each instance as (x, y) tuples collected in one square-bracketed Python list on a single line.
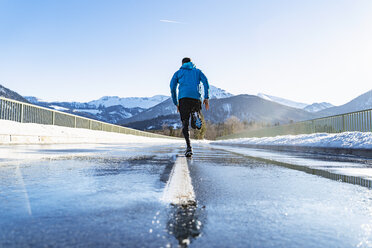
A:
[(170, 21)]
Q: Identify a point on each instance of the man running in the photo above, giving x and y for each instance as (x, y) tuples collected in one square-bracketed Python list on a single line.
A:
[(188, 103)]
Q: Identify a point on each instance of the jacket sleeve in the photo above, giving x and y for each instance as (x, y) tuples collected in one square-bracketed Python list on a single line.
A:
[(173, 88), (204, 80)]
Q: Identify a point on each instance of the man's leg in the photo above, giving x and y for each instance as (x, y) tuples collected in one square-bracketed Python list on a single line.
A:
[(185, 131), (196, 122), (185, 112)]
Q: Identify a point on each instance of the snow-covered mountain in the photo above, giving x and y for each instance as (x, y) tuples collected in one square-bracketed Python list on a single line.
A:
[(111, 114), (33, 99), (312, 108), (361, 102), (7, 93), (315, 107), (217, 93), (283, 101), (148, 102), (253, 108), (129, 102), (165, 108), (59, 105)]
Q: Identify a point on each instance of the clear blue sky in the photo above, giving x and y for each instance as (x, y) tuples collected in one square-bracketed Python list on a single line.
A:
[(307, 51)]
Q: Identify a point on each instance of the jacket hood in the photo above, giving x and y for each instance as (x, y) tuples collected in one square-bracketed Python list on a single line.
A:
[(188, 66)]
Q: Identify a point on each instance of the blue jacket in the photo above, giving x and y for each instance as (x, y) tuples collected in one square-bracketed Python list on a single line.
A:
[(188, 77)]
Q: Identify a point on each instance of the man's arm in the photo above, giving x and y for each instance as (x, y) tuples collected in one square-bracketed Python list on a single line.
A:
[(204, 80), (173, 88)]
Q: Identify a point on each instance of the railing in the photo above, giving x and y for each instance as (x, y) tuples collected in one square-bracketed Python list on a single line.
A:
[(28, 113), (354, 121)]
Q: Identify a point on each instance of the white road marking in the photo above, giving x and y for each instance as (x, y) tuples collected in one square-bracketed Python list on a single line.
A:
[(179, 189)]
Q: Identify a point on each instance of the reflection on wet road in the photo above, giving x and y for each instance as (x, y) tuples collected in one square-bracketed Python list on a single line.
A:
[(185, 223), (111, 198)]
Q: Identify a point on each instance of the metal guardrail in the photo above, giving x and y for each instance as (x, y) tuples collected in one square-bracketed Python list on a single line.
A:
[(13, 110), (355, 121)]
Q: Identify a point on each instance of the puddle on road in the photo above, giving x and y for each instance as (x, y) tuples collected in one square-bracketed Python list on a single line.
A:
[(177, 226), (185, 223)]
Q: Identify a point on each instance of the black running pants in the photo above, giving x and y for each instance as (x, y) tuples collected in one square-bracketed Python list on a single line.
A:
[(188, 106)]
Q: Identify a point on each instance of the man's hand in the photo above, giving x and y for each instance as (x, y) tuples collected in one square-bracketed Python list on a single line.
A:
[(206, 103)]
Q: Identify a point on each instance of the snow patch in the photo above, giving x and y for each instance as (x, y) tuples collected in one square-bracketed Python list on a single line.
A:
[(355, 140), (315, 107), (227, 107), (216, 93), (91, 111), (59, 108), (129, 102), (31, 133), (175, 125)]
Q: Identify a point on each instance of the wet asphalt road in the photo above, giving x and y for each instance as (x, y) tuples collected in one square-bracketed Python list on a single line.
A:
[(111, 199)]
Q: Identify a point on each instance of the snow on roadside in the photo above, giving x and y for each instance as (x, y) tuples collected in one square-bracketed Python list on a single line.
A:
[(355, 140), (37, 133)]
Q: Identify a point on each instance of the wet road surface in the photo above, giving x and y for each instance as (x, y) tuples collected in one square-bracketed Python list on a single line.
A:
[(346, 168), (112, 199)]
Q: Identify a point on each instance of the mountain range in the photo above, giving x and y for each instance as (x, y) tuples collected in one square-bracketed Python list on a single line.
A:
[(128, 102), (361, 102), (7, 93), (283, 101), (117, 110), (157, 111), (315, 107), (244, 107)]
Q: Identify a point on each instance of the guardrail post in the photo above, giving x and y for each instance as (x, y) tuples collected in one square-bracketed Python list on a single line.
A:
[(22, 109), (1, 109), (75, 122), (312, 128), (343, 123)]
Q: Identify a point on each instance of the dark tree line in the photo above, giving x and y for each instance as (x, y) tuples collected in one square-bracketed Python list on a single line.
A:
[(212, 131)]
